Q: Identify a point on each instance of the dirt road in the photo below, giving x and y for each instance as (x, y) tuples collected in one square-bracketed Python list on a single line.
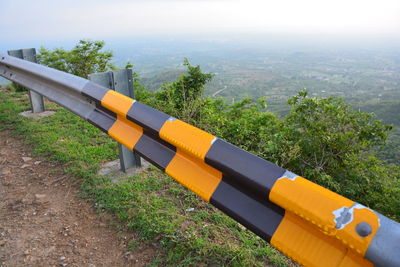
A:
[(43, 222)]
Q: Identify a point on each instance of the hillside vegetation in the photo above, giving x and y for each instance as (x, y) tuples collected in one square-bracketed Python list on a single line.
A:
[(366, 78), (322, 139)]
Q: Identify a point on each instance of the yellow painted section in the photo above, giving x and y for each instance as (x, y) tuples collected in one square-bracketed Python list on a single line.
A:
[(304, 243), (349, 236), (187, 137), (194, 174), (309, 201), (125, 132), (117, 102), (354, 259), (316, 205)]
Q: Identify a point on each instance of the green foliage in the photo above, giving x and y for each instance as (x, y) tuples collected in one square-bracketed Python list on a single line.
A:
[(389, 112), (248, 126), (334, 141), (390, 152), (85, 58), (16, 87), (328, 131), (322, 139), (183, 98)]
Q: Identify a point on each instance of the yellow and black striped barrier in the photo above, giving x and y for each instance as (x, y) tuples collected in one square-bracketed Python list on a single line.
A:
[(311, 224)]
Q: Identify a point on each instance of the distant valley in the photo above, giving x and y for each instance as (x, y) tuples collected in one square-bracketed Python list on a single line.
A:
[(369, 79)]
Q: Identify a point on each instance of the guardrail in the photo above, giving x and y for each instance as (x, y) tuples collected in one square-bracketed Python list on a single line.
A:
[(310, 224), (29, 54), (122, 82)]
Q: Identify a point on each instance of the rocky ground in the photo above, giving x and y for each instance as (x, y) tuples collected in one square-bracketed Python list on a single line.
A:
[(44, 222)]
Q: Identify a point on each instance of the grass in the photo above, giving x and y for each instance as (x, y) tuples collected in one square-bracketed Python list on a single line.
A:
[(151, 203)]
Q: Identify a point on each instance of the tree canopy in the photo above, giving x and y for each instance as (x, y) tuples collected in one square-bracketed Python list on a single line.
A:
[(85, 58)]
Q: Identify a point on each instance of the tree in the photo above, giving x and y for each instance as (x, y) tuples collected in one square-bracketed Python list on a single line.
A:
[(183, 98), (334, 143), (85, 58), (328, 131)]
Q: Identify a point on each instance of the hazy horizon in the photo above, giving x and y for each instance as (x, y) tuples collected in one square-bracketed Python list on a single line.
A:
[(62, 21), (233, 40), (139, 30)]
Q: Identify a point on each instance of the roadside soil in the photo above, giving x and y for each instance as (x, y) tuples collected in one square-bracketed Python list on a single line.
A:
[(44, 222)]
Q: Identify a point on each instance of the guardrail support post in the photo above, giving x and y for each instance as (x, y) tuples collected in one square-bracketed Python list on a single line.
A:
[(36, 99), (122, 82)]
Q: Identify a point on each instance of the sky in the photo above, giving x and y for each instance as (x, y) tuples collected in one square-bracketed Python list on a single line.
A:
[(71, 19)]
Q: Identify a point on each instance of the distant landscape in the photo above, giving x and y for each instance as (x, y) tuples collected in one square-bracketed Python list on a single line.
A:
[(363, 72), (365, 78)]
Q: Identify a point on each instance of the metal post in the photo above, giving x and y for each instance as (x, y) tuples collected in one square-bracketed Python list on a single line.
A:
[(120, 81), (36, 99)]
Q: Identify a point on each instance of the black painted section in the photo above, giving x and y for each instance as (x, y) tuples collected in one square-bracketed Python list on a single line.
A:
[(147, 117), (246, 169), (101, 120), (94, 91), (262, 218), (155, 150)]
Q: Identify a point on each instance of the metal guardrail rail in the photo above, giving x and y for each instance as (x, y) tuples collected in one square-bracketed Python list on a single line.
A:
[(29, 54), (122, 82), (310, 224)]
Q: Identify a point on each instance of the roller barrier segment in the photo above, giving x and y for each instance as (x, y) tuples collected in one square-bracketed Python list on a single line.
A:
[(311, 224)]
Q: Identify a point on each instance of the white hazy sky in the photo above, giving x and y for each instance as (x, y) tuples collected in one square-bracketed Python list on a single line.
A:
[(54, 19)]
